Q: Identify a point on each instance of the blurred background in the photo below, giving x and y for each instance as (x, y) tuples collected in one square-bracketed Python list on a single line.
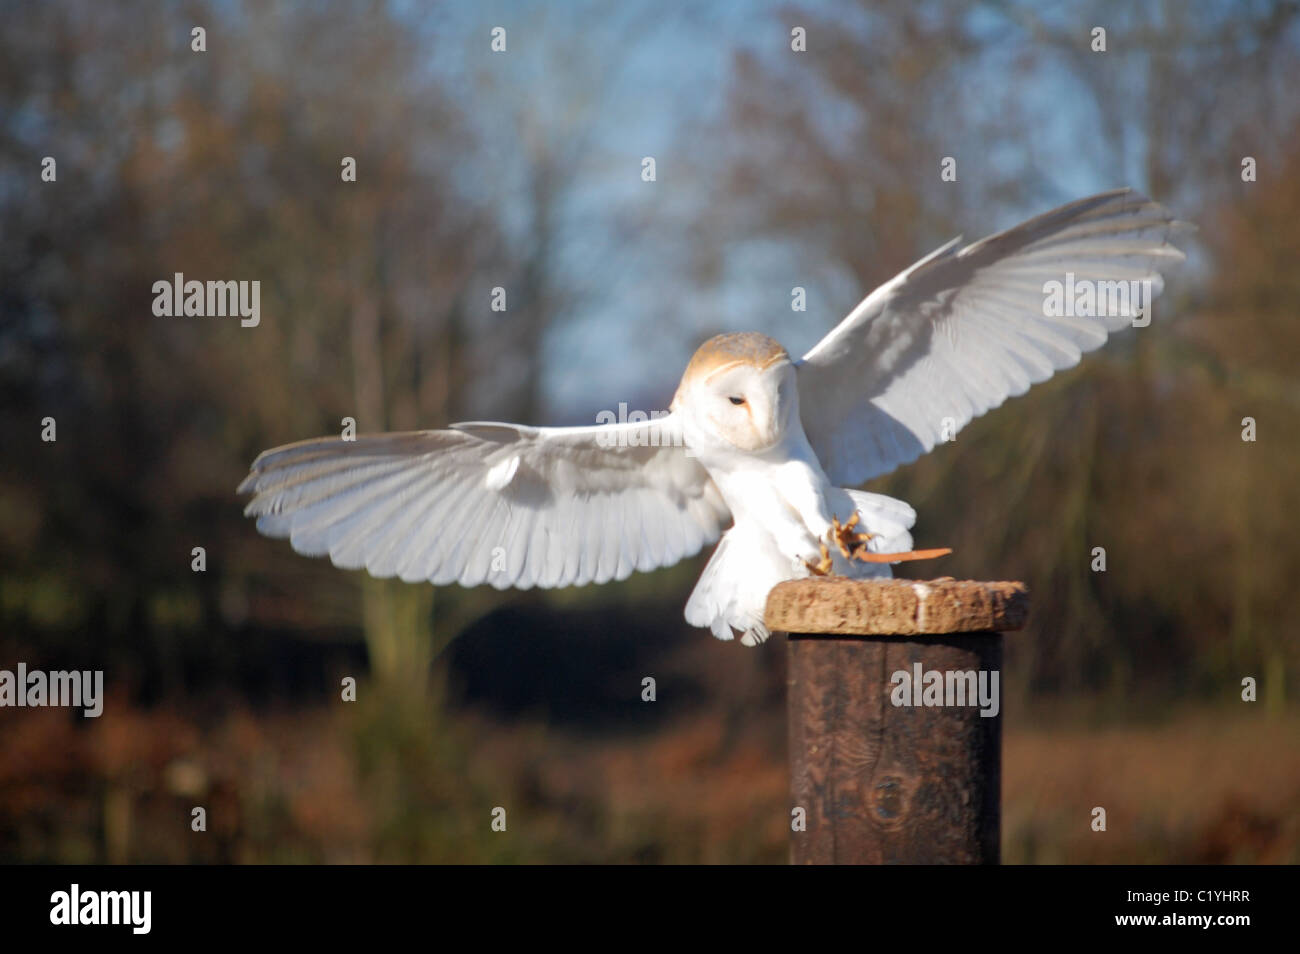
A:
[(523, 169)]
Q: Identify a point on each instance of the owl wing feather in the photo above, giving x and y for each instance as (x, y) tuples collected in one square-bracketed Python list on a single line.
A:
[(960, 331), (487, 502)]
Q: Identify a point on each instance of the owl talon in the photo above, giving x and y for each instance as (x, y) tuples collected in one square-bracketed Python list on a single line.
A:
[(842, 535), (823, 566)]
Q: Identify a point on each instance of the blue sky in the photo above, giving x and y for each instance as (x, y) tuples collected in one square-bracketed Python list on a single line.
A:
[(662, 71)]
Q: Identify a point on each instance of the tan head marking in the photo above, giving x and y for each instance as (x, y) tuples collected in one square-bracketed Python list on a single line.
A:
[(723, 351)]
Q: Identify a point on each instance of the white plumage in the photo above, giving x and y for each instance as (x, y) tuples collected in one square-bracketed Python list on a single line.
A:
[(753, 438)]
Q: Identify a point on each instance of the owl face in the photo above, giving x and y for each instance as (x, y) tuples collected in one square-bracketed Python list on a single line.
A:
[(739, 391)]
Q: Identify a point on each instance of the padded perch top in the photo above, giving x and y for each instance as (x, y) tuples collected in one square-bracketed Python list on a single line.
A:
[(839, 606)]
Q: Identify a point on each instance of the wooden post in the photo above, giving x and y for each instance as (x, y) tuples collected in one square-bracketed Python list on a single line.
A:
[(883, 783)]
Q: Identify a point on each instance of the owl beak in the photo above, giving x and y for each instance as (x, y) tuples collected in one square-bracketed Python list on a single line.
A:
[(773, 411), (763, 410)]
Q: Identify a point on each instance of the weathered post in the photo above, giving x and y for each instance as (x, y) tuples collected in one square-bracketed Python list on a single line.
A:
[(883, 783)]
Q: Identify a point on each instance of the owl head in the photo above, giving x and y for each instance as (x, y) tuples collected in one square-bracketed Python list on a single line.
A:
[(738, 391)]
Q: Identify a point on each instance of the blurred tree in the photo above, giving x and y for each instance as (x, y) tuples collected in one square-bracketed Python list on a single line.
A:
[(224, 164)]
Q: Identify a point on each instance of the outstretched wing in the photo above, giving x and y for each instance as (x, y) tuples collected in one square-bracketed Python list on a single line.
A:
[(492, 503), (963, 329)]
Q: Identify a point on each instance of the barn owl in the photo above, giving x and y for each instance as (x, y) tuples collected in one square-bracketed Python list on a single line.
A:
[(758, 449)]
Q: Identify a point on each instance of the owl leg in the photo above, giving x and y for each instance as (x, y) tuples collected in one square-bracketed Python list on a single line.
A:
[(823, 566), (842, 535)]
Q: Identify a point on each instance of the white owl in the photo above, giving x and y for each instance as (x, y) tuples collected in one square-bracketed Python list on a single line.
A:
[(753, 439)]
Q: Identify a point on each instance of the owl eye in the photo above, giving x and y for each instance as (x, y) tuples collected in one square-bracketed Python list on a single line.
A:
[(736, 400)]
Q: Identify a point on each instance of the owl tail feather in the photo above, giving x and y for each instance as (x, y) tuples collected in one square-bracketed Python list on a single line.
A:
[(732, 591)]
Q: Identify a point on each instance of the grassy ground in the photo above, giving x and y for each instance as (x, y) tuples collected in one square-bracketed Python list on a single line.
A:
[(377, 782), (1204, 786)]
